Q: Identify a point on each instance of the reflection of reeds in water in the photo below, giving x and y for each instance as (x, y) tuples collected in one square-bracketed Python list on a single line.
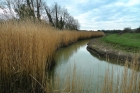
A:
[(72, 82), (126, 81), (26, 52), (65, 53)]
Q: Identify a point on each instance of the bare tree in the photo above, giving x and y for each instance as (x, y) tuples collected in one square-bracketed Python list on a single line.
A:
[(7, 7), (56, 14), (34, 9), (38, 4), (31, 8), (25, 8), (49, 15)]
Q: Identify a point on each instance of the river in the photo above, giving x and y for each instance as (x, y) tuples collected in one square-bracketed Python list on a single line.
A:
[(76, 64)]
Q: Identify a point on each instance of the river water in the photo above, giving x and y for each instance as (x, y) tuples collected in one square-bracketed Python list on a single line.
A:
[(77, 65)]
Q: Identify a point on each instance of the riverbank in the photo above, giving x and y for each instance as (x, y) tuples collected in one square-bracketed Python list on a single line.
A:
[(53, 63), (104, 49), (129, 42), (27, 52)]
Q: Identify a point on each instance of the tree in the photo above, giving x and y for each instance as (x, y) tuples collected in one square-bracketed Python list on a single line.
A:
[(24, 12), (25, 8), (61, 23), (38, 4), (31, 8), (127, 29), (34, 9), (49, 15), (138, 30), (56, 13)]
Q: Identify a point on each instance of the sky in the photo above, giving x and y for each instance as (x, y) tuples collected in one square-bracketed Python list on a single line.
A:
[(103, 14)]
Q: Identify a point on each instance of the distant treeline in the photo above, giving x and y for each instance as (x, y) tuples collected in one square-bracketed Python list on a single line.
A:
[(125, 30), (38, 10)]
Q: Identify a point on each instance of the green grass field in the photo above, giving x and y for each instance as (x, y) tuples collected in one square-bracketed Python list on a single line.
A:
[(127, 41)]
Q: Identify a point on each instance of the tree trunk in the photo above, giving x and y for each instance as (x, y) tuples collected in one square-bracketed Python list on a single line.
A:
[(38, 10), (56, 12), (49, 16)]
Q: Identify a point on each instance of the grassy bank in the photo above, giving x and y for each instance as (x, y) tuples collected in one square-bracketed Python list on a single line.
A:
[(27, 51), (126, 41)]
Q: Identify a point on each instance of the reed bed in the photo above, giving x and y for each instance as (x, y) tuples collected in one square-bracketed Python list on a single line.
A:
[(26, 52), (125, 81)]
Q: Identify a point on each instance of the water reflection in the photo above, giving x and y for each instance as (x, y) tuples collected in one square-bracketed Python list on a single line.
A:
[(111, 61), (65, 53), (90, 68)]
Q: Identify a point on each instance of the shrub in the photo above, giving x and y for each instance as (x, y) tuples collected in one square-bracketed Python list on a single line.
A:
[(127, 29), (138, 30)]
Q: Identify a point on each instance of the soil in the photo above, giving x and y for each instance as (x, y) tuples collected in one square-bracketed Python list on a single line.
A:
[(101, 48)]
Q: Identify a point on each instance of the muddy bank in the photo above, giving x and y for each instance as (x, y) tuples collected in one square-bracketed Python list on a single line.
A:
[(103, 49)]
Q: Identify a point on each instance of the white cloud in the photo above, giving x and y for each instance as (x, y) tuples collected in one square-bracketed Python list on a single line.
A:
[(82, 1), (133, 2), (129, 3), (102, 14), (115, 15)]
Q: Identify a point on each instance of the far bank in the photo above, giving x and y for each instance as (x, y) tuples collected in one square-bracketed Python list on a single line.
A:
[(121, 48)]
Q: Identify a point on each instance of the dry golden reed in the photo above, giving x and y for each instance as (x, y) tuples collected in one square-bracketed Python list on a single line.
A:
[(126, 80), (27, 51)]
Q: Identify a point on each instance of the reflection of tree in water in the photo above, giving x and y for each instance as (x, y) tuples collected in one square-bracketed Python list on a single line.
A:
[(65, 53)]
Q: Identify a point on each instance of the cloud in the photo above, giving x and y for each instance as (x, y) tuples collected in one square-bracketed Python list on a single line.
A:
[(83, 1), (111, 15), (102, 14), (133, 2)]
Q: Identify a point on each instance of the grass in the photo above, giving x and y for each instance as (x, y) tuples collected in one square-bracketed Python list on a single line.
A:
[(127, 41), (27, 51)]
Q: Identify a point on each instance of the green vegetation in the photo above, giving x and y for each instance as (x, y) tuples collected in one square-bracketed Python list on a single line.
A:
[(127, 41), (27, 51)]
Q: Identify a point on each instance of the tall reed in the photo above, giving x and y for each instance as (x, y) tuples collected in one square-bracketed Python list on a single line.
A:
[(27, 51), (126, 80)]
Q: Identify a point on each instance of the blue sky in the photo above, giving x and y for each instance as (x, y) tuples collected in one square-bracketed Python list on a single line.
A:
[(103, 14)]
